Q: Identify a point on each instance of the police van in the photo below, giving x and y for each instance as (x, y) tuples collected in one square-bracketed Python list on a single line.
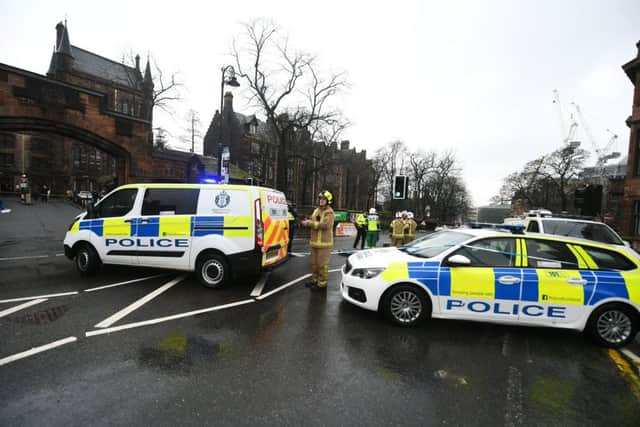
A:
[(214, 230), (493, 276)]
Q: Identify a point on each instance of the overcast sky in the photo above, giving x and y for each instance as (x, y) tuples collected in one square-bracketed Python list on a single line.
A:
[(474, 76)]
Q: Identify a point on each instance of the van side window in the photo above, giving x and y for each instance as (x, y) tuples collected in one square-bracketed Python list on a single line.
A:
[(550, 254), (533, 227), (117, 204), (609, 260), (170, 201)]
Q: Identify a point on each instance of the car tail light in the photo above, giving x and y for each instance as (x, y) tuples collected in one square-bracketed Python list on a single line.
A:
[(259, 227)]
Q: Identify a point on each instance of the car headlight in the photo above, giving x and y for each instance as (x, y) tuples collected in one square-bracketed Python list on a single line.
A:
[(366, 273)]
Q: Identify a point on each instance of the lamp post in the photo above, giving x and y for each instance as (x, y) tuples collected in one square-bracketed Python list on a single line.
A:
[(228, 78)]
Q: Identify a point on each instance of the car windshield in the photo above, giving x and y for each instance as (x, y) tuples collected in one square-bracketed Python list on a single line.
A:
[(436, 243), (584, 230)]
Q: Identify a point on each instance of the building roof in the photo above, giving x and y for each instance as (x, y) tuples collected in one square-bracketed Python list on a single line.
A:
[(96, 65)]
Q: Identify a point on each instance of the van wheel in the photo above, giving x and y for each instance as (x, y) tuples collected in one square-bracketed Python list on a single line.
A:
[(613, 325), (87, 260), (405, 305), (212, 270)]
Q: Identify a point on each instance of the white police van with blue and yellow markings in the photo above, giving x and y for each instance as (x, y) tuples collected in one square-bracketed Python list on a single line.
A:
[(493, 276), (215, 230)]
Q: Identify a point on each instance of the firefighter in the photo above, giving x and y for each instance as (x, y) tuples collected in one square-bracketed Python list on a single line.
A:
[(321, 242), (361, 227), (397, 231), (373, 231), (411, 227)]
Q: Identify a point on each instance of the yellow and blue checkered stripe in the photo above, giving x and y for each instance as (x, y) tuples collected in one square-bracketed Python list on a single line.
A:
[(169, 226), (537, 285)]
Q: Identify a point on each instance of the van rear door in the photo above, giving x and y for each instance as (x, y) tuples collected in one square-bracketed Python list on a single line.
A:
[(276, 226)]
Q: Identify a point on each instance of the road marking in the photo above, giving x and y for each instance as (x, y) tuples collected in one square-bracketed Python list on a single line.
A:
[(37, 297), (139, 303), (335, 269), (59, 254), (17, 258), (631, 355), (36, 350), (99, 288), (627, 373), (166, 319), (21, 307), (286, 285), (514, 415), (257, 290)]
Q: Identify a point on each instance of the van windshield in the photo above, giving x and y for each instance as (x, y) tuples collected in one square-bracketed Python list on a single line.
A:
[(584, 230)]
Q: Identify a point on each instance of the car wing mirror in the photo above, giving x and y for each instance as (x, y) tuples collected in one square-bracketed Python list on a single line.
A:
[(458, 261)]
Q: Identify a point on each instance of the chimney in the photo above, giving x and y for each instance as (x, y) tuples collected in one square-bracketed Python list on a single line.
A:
[(344, 145), (138, 62)]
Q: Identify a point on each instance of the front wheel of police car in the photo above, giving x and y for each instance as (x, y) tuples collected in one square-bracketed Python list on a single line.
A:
[(212, 270), (405, 305), (87, 260), (613, 325)]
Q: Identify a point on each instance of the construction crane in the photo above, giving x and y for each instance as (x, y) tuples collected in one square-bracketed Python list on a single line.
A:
[(568, 140), (604, 153)]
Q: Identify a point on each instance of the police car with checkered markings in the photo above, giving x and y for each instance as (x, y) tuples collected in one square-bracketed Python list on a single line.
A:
[(215, 230), (494, 276)]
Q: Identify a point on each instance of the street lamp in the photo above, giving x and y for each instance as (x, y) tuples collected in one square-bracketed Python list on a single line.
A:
[(228, 78)]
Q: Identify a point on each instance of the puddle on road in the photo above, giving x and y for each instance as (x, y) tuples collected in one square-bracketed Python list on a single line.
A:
[(178, 352), (41, 317)]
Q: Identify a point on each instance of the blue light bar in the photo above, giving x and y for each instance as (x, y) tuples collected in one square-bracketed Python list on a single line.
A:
[(515, 229), (211, 179)]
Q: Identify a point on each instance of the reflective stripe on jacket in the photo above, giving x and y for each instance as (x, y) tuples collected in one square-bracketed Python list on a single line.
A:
[(373, 223)]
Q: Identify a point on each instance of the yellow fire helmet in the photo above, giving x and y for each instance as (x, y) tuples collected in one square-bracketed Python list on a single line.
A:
[(327, 195)]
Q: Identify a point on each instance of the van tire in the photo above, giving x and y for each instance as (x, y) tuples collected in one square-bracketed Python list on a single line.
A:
[(613, 325), (213, 270), (87, 260)]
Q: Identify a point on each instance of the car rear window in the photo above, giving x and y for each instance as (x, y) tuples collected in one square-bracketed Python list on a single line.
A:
[(609, 260)]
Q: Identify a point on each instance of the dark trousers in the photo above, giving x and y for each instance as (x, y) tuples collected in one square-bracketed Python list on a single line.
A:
[(292, 229), (360, 237)]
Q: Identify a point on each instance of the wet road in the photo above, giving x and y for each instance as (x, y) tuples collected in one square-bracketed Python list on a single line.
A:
[(292, 358)]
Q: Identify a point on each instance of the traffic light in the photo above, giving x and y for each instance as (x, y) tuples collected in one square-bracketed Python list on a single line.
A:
[(400, 184)]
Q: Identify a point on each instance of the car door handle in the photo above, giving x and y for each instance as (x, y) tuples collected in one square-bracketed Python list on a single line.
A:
[(128, 221), (508, 280), (576, 281)]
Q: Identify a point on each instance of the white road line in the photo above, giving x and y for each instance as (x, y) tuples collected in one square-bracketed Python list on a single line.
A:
[(36, 350), (286, 285), (17, 258), (257, 290), (631, 355), (21, 307), (38, 296), (99, 288), (59, 254), (139, 303), (166, 319), (334, 270)]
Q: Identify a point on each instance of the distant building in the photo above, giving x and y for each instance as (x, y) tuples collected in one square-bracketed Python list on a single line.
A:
[(493, 213), (86, 125), (311, 166)]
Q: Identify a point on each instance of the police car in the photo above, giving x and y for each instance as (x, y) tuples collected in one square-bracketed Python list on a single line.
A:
[(494, 276), (214, 230)]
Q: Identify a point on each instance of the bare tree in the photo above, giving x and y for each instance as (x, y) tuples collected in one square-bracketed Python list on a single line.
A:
[(193, 129), (166, 88), (562, 166), (287, 85)]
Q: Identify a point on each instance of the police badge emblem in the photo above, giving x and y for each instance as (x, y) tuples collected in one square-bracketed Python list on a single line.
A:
[(222, 200)]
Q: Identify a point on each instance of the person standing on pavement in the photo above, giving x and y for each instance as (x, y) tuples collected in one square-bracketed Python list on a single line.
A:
[(321, 241), (397, 231), (373, 231), (361, 227), (291, 215)]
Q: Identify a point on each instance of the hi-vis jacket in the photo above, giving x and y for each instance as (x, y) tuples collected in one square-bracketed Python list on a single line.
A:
[(361, 221), (322, 228), (372, 222)]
